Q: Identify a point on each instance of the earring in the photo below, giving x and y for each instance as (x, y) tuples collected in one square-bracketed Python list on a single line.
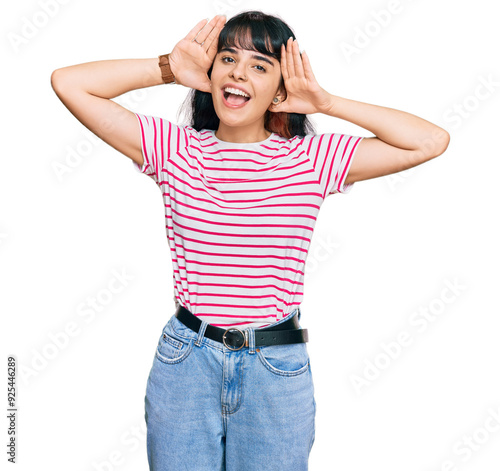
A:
[(276, 100)]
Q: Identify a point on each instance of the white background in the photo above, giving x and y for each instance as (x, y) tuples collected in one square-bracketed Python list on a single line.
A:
[(381, 255)]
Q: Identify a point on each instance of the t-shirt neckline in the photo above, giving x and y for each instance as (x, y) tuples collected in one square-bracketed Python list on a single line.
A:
[(265, 141)]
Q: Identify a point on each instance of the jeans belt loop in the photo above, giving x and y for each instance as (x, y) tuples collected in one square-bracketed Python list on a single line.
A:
[(201, 333), (251, 340)]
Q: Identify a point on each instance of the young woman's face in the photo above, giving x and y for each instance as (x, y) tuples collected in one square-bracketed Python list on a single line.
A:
[(244, 84)]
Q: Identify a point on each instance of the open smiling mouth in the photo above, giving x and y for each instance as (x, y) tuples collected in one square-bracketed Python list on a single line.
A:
[(234, 97)]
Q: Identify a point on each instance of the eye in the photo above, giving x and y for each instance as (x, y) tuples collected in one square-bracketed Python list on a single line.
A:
[(227, 59), (260, 68)]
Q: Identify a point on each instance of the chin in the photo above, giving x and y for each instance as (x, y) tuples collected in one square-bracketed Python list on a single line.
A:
[(232, 119)]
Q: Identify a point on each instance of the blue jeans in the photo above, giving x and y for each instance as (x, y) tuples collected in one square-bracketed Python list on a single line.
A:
[(208, 408)]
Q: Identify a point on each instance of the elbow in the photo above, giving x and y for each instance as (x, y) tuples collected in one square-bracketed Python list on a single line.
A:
[(443, 142), (58, 79), (441, 139), (55, 79), (435, 145)]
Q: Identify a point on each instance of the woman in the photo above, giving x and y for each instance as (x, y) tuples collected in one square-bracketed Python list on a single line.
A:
[(230, 386)]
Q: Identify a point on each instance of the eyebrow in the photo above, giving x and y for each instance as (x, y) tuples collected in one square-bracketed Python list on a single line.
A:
[(232, 50)]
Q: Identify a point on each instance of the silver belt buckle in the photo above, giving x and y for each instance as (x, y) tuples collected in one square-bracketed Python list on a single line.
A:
[(244, 340)]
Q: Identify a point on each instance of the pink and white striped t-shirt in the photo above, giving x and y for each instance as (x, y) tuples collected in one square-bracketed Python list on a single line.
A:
[(240, 217)]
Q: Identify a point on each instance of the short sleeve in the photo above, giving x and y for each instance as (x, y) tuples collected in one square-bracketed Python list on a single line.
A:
[(332, 156), (159, 139)]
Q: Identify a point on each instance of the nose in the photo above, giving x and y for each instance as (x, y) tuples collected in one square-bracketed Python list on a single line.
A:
[(238, 72)]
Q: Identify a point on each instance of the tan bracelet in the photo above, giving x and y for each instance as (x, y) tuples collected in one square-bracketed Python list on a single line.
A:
[(166, 71)]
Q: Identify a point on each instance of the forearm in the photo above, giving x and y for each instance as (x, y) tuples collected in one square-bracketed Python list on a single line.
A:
[(109, 78), (397, 128)]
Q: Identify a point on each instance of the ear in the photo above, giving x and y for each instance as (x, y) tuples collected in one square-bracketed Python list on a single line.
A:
[(279, 98)]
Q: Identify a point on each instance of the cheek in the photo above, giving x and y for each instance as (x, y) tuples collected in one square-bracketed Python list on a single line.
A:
[(216, 70), (213, 75), (275, 84), (271, 90)]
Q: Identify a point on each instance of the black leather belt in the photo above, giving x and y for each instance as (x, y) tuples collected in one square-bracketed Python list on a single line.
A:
[(235, 339)]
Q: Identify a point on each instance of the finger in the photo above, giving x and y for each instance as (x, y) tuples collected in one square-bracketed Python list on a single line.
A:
[(212, 40), (207, 29), (297, 60), (199, 26), (307, 67), (284, 70), (289, 58)]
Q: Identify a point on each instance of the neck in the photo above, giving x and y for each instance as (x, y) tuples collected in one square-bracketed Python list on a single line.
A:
[(242, 134)]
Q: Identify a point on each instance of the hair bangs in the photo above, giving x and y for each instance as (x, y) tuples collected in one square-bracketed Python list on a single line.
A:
[(255, 31)]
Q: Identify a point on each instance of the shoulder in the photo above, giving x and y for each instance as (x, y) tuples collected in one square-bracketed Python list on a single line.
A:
[(329, 142), (160, 123)]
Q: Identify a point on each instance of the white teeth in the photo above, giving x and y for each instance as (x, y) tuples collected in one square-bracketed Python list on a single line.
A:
[(236, 91)]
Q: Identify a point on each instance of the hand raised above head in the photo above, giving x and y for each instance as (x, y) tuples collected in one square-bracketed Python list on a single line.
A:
[(193, 55), (303, 93)]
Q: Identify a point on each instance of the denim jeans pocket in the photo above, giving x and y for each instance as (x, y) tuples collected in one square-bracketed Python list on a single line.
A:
[(285, 360), (173, 348)]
